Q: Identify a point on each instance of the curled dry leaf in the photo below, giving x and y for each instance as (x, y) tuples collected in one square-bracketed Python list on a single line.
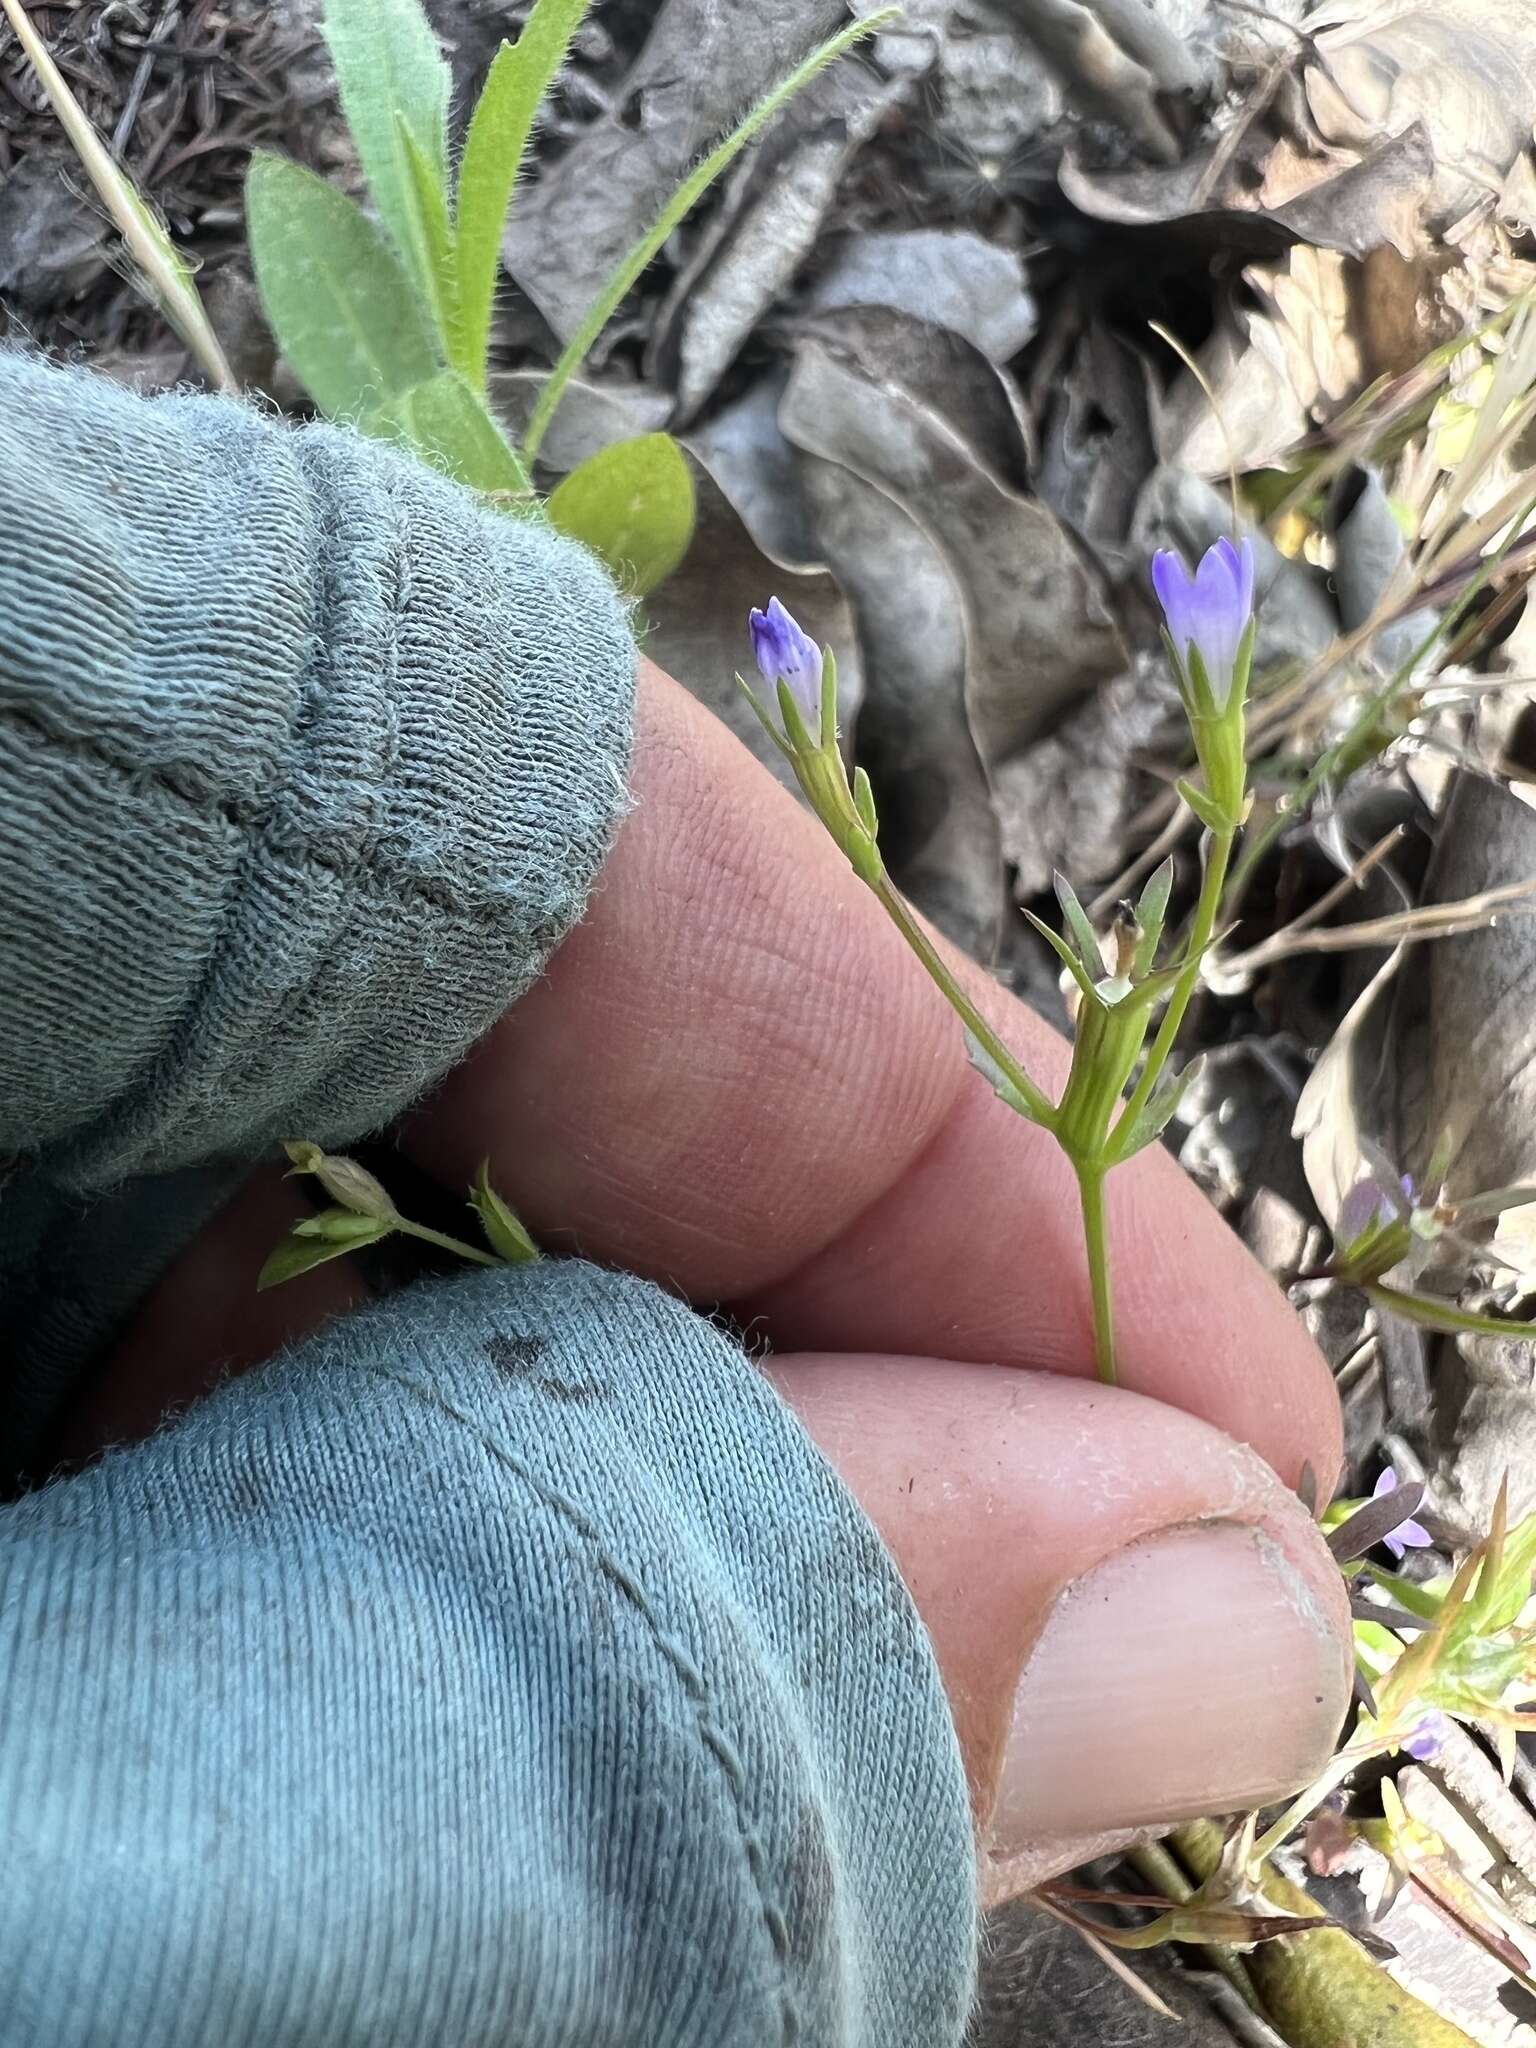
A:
[(946, 276), (914, 420)]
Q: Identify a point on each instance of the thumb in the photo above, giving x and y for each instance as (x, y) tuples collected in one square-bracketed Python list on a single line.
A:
[(1136, 1623)]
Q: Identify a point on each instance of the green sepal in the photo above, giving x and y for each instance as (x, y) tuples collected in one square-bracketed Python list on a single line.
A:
[(353, 1186), (1064, 954), (828, 698), (503, 1232), (1209, 813), (864, 803), (302, 1253), (339, 1226), (796, 731), (1081, 927), (763, 717)]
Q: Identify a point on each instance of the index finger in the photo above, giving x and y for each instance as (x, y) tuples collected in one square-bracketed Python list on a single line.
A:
[(736, 1080)]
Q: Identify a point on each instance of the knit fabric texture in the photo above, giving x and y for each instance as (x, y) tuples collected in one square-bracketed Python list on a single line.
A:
[(504, 1667), (307, 762)]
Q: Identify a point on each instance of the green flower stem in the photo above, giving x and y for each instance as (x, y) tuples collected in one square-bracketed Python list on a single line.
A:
[(1090, 1183), (1155, 1864), (1218, 855), (1446, 1316), (1040, 1106), (446, 1243)]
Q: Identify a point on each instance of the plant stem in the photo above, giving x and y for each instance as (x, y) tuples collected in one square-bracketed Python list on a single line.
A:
[(1155, 1864), (1218, 854), (1090, 1183), (1040, 1106), (448, 1244)]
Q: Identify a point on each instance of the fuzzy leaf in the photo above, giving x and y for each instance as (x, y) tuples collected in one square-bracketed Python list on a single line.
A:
[(503, 1232), (392, 76), (296, 1255), (448, 426), (515, 88), (340, 303), (633, 505), (427, 197)]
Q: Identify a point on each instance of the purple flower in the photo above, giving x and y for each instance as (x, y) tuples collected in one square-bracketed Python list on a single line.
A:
[(1408, 1534), (1424, 1740), (1372, 1204), (1208, 612), (786, 653)]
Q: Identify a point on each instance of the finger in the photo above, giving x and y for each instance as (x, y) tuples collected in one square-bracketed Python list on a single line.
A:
[(735, 1079), (1136, 1623), (204, 1319)]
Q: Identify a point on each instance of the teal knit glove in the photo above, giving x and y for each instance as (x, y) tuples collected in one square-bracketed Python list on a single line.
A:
[(506, 1668), (307, 763)]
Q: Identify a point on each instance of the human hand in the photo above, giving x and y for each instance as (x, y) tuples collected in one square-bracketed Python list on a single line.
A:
[(734, 1080)]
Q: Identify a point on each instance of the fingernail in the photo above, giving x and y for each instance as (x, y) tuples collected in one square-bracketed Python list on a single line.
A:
[(1194, 1672)]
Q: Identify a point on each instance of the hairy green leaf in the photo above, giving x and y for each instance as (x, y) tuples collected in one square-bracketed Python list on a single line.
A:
[(392, 75), (503, 1232), (296, 1254), (428, 200), (515, 87), (447, 425), (682, 203), (633, 505), (342, 308)]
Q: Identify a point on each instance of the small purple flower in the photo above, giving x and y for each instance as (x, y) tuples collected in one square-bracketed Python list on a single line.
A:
[(786, 653), (1425, 1739), (1372, 1204), (1209, 611), (1408, 1534)]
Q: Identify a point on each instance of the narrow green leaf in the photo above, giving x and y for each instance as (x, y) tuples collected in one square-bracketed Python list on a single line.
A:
[(344, 312), (503, 1232), (1064, 954), (864, 802), (1079, 925), (1002, 1086), (448, 426), (633, 505), (165, 276), (1151, 912), (296, 1255), (515, 88), (1161, 1108), (391, 74), (682, 203), (428, 200)]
